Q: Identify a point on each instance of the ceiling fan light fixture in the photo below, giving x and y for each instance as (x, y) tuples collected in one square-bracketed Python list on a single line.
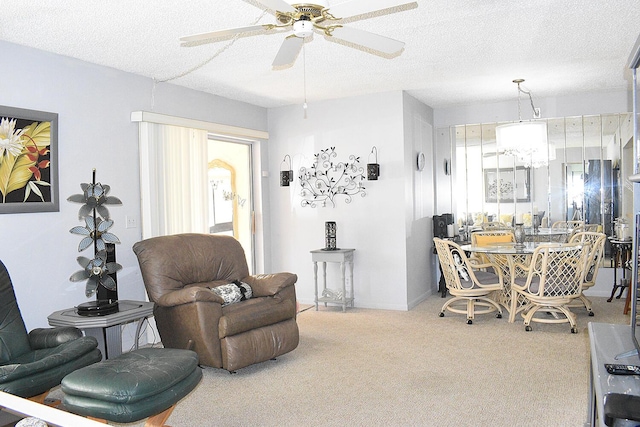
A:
[(303, 28), (306, 18), (318, 4)]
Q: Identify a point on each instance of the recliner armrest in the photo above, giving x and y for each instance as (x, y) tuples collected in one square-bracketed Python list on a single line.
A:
[(52, 337), (188, 295), (264, 285)]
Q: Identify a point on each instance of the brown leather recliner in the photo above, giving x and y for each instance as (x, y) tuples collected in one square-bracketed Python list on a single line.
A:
[(179, 271)]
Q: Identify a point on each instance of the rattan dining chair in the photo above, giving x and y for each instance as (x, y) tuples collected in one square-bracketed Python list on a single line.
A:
[(567, 224), (592, 228), (483, 238), (596, 252), (494, 225), (554, 280), (468, 282)]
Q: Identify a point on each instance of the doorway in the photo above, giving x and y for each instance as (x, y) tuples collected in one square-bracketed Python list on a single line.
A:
[(231, 193)]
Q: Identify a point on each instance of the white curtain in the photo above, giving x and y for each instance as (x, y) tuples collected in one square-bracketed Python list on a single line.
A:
[(173, 179)]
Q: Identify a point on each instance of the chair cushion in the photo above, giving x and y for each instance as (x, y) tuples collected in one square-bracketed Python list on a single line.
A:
[(483, 240), (486, 277), (133, 411), (535, 283), (132, 376)]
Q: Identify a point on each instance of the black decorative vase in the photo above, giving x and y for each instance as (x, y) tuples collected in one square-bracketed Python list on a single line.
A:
[(330, 235)]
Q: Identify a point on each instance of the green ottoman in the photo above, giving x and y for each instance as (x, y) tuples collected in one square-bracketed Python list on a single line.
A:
[(143, 383)]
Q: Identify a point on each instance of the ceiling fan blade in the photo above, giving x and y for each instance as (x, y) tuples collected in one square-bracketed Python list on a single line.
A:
[(289, 51), (279, 5), (360, 7), (221, 33), (370, 40)]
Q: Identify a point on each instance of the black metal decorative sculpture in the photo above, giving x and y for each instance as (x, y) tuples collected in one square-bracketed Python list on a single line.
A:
[(325, 180), (99, 272)]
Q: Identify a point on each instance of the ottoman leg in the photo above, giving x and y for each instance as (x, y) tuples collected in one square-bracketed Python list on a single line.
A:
[(159, 419), (39, 398), (42, 399)]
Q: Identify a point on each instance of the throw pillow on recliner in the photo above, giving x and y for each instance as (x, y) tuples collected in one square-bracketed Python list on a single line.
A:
[(233, 292)]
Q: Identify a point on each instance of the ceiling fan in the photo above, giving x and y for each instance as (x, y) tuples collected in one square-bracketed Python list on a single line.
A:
[(304, 18)]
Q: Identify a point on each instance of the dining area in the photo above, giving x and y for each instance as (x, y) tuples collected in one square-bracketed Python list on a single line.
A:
[(535, 219), (503, 272), (577, 174)]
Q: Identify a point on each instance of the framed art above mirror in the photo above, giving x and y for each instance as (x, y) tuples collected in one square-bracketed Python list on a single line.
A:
[(505, 184)]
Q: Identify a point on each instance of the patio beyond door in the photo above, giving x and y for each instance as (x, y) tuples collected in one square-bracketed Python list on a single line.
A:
[(230, 193)]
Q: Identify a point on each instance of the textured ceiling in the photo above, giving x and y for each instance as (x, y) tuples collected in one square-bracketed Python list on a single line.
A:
[(456, 52)]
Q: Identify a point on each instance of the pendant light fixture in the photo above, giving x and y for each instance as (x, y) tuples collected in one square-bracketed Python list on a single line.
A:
[(526, 140)]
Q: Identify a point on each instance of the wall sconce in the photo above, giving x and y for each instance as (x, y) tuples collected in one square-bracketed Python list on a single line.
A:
[(373, 169), (286, 176)]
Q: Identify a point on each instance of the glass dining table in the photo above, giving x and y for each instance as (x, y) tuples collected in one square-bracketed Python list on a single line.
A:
[(546, 235), (510, 258)]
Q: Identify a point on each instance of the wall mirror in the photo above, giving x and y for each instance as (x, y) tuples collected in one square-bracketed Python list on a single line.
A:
[(583, 175), (222, 183)]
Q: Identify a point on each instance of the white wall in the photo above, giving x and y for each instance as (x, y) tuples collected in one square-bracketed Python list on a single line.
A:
[(94, 104), (379, 226), (419, 201)]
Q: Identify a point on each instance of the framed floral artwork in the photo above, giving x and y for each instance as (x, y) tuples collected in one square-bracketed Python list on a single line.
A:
[(28, 161), (507, 185)]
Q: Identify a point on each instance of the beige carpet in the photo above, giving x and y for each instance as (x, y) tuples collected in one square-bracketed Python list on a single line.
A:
[(387, 368)]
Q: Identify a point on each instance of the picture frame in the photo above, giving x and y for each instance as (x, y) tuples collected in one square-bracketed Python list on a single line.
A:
[(507, 185), (28, 161)]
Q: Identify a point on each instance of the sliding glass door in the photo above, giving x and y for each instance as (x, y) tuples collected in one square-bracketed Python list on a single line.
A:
[(230, 192)]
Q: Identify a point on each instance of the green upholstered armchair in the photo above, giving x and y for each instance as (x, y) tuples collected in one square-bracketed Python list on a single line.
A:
[(33, 363)]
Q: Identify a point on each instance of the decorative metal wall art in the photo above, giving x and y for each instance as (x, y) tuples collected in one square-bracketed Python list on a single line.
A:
[(325, 180)]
